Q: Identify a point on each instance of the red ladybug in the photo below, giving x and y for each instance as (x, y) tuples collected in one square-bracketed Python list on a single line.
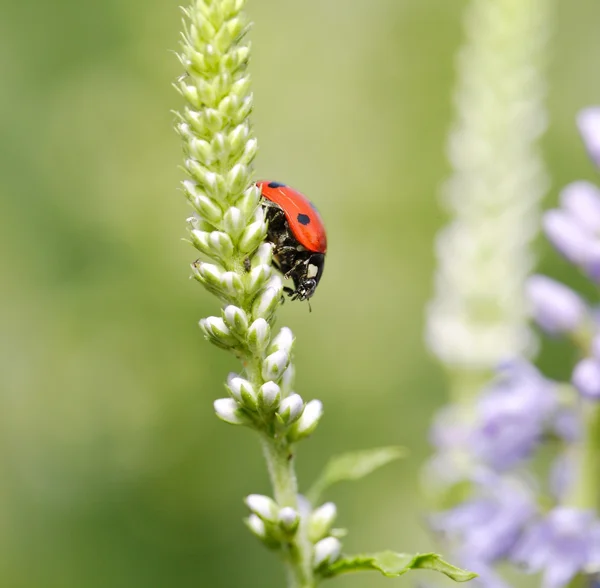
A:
[(298, 235)]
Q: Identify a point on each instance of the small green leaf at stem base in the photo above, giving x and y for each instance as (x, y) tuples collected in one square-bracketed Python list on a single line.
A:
[(352, 466), (392, 564)]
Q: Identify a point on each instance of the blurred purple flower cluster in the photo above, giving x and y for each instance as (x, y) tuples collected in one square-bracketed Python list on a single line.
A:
[(489, 445)]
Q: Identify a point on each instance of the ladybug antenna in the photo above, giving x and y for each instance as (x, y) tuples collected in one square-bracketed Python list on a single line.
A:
[(309, 306)]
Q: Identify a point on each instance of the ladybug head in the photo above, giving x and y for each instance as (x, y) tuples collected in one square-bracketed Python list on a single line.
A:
[(306, 276)]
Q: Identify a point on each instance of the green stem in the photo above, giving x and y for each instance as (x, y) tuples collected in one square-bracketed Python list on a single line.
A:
[(585, 493), (298, 553)]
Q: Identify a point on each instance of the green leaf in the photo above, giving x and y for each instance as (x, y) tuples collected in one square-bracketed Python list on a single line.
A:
[(392, 564), (353, 466)]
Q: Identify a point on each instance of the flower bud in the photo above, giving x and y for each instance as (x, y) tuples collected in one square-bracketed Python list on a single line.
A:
[(259, 529), (257, 278), (320, 521), (274, 365), (249, 201), (556, 308), (263, 506), (232, 285), (326, 551), (205, 206), (233, 221), (263, 255), (250, 150), (253, 236), (200, 150), (237, 321), (221, 244), (242, 390), (238, 137), (256, 526), (216, 331), (291, 409), (287, 380), (586, 378), (267, 301), (308, 422), (201, 240), (289, 519), (566, 234), (588, 121), (209, 274), (238, 178), (259, 335), (269, 396), (228, 410), (283, 341)]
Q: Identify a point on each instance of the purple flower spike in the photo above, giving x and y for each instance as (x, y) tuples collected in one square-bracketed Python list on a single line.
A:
[(588, 122), (555, 308), (512, 415), (582, 201), (563, 544), (488, 526), (568, 236), (586, 378)]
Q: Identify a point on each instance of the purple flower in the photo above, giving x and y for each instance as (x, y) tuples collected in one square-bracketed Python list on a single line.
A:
[(588, 122), (564, 543), (512, 415), (582, 200), (567, 235), (586, 378), (488, 526), (556, 308)]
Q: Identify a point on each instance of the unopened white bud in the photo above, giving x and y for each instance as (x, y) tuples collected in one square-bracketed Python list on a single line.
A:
[(238, 178), (274, 365), (257, 526), (269, 396), (249, 201), (263, 506), (268, 300), (253, 236), (308, 422), (221, 244), (250, 151), (233, 221), (259, 335), (287, 380), (326, 551), (216, 331), (257, 278), (320, 521), (236, 319), (291, 409), (206, 207), (242, 390), (289, 519), (283, 341), (232, 285), (228, 410), (239, 136)]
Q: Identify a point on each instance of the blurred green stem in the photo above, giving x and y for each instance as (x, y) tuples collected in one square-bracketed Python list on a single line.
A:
[(585, 492), (298, 553)]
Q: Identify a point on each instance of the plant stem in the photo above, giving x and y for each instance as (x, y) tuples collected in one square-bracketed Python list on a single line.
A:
[(298, 552), (585, 493)]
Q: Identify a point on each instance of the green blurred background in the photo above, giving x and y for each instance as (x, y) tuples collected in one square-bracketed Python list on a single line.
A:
[(114, 471)]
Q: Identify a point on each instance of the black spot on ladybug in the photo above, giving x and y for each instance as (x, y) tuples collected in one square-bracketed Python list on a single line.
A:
[(303, 219), (276, 185)]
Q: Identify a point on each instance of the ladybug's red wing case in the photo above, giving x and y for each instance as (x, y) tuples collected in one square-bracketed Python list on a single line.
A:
[(298, 236), (302, 217)]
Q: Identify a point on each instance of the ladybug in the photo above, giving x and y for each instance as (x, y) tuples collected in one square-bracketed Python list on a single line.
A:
[(298, 236)]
